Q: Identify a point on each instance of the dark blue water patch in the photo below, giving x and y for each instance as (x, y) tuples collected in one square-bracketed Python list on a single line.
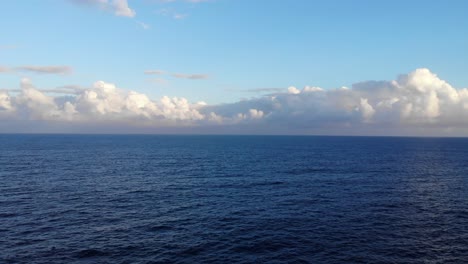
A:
[(232, 199)]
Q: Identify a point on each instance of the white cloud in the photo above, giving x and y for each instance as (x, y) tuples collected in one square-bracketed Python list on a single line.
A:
[(35, 104), (418, 99), (309, 89), (104, 101), (121, 8), (179, 16), (293, 90), (117, 7), (5, 102), (367, 111), (177, 13), (255, 114), (143, 25), (414, 103)]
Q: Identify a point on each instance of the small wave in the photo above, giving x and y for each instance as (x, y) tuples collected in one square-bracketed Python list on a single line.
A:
[(159, 228), (6, 215), (89, 253), (301, 171), (267, 183)]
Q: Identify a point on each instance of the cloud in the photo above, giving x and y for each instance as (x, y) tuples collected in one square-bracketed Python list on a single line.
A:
[(171, 12), (159, 81), (179, 16), (4, 69), (190, 76), (5, 102), (417, 103), (264, 90), (143, 25), (156, 72), (46, 69), (121, 8), (178, 75), (8, 47), (117, 7), (197, 1), (188, 1), (102, 102), (419, 99), (66, 89)]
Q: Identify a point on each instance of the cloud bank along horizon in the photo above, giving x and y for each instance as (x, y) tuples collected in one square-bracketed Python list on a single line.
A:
[(412, 103)]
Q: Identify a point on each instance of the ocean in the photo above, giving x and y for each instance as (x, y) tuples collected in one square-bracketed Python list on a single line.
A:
[(232, 199)]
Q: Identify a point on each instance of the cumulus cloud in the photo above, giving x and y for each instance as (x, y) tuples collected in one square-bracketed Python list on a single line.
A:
[(46, 69), (103, 101), (5, 101), (117, 7), (412, 101), (413, 104)]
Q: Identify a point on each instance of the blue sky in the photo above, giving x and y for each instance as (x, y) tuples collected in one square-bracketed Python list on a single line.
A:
[(227, 51), (239, 44)]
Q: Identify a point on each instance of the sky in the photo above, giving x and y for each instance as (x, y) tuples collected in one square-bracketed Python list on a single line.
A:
[(234, 67)]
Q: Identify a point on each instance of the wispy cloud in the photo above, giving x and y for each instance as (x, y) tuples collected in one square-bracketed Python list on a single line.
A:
[(143, 25), (65, 89), (179, 75), (159, 81), (197, 1), (46, 69), (8, 47), (4, 69), (264, 90), (179, 16), (171, 13), (117, 7), (187, 1), (155, 72), (191, 76)]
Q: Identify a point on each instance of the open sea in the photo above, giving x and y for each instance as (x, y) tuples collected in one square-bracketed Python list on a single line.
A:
[(232, 199)]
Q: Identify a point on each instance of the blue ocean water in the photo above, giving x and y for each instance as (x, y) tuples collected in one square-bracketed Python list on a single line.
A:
[(232, 199)]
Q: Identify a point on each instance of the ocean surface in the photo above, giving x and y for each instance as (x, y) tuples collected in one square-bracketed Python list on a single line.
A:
[(232, 199)]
